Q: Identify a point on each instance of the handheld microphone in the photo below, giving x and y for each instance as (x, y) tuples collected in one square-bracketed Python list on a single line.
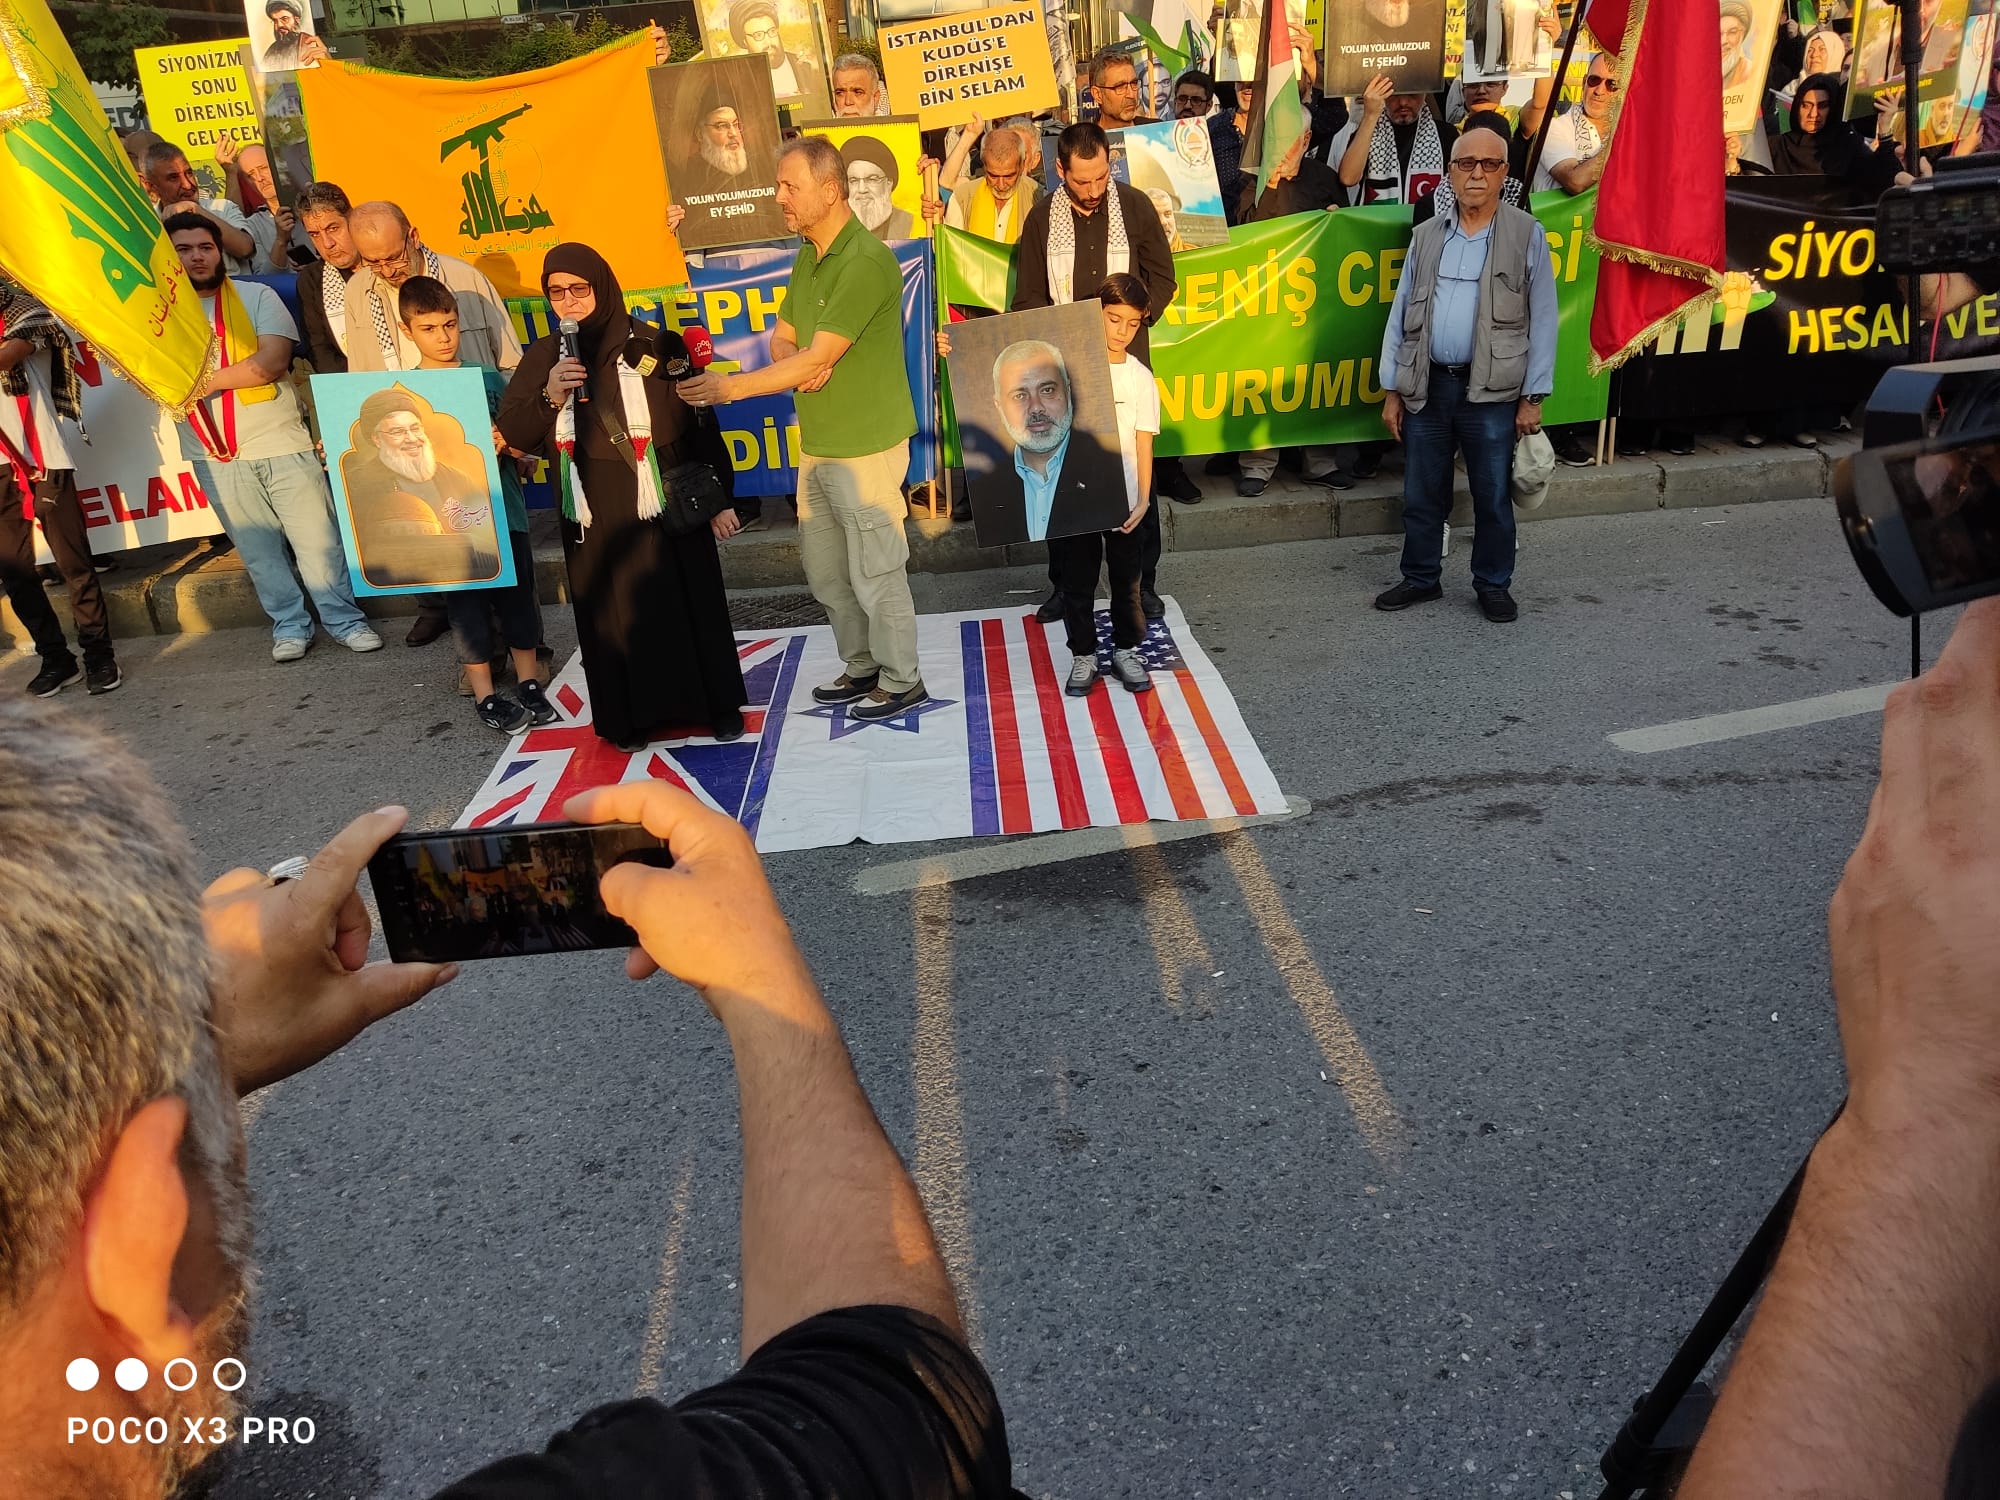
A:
[(570, 344), (657, 349), (700, 346)]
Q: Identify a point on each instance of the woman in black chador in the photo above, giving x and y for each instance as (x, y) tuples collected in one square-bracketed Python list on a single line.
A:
[(651, 614)]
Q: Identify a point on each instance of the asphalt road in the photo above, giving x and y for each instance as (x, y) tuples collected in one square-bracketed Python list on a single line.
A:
[(1385, 1152)]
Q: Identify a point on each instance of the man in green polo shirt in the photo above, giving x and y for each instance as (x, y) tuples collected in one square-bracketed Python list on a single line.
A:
[(839, 345)]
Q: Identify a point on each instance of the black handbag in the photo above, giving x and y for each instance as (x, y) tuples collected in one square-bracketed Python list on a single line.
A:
[(691, 492)]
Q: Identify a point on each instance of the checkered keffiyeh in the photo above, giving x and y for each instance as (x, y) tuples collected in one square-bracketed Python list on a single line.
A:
[(25, 317)]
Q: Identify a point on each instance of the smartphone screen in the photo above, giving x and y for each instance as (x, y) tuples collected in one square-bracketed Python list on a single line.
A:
[(455, 895)]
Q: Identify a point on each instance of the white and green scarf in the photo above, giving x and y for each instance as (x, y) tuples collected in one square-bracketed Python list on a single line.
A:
[(638, 427)]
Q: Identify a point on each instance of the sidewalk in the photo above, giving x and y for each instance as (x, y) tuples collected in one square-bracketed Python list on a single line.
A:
[(190, 588)]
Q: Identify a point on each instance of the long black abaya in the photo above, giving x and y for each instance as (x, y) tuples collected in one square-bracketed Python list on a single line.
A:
[(652, 616)]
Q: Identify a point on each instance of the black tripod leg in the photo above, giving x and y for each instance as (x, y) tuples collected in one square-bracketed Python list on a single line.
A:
[(1666, 1421)]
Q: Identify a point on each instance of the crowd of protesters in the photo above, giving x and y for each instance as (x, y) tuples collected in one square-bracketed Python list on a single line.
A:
[(1080, 237)]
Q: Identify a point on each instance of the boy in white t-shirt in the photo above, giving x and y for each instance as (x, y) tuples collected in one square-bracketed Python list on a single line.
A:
[(1074, 559), (255, 459)]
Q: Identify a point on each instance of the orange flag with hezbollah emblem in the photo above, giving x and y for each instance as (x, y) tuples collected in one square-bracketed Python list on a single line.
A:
[(497, 171)]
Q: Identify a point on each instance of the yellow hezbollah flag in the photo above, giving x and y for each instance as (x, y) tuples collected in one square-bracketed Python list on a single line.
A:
[(78, 231), (498, 170)]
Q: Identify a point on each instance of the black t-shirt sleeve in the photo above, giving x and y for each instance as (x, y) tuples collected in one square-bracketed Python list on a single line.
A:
[(1975, 1462), (881, 1402)]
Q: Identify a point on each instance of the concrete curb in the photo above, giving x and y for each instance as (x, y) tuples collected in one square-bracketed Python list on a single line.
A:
[(200, 587)]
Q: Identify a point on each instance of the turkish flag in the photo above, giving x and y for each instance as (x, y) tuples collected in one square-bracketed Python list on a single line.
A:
[(1659, 217)]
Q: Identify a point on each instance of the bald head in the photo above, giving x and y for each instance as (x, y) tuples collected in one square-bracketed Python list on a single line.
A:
[(385, 241), (1478, 171), (381, 213), (1480, 140)]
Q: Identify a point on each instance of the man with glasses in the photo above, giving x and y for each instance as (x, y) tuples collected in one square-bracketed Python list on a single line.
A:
[(1114, 84), (390, 252), (1468, 358), (1573, 159), (1573, 155), (1194, 95)]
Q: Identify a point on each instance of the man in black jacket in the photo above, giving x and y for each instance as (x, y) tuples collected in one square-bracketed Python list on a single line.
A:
[(1070, 241), (323, 209)]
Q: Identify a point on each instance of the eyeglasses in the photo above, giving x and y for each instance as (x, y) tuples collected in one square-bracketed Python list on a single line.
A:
[(575, 293), (1481, 166), (1118, 88), (1599, 81), (389, 262)]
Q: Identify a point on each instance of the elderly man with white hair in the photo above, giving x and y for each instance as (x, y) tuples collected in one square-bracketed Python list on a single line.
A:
[(995, 204)]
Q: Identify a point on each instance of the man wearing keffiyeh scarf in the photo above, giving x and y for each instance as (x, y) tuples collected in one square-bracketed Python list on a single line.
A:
[(39, 394), (1394, 152)]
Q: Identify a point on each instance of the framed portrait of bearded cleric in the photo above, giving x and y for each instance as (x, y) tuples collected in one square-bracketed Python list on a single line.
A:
[(884, 188), (718, 129), (788, 35), (416, 481), (1037, 424)]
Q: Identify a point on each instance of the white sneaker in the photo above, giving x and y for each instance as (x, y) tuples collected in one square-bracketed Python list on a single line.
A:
[(1131, 671), (362, 640), (1445, 550), (1082, 677), (289, 649)]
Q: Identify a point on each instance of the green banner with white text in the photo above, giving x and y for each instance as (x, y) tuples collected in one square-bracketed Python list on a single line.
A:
[(1273, 340)]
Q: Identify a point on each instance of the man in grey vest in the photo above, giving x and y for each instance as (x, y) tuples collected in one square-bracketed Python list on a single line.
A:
[(1468, 357)]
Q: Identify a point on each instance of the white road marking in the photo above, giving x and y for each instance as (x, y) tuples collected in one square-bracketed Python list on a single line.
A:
[(1045, 849), (1713, 727)]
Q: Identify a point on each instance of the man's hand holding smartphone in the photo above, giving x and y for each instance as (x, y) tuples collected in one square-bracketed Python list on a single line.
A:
[(710, 920), (290, 982), (289, 977)]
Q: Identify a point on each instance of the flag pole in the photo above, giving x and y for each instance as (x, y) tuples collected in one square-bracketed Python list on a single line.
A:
[(1254, 144)]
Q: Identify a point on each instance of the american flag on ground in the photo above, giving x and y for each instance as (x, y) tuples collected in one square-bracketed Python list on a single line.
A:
[(1040, 759), (997, 748)]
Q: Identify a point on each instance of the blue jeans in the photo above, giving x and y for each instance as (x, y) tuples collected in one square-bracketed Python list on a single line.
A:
[(265, 503), (1484, 432)]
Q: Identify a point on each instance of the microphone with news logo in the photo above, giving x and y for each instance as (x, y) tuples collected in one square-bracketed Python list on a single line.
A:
[(569, 344)]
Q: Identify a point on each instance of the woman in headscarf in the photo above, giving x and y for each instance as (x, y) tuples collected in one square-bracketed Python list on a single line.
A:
[(1822, 144), (651, 614)]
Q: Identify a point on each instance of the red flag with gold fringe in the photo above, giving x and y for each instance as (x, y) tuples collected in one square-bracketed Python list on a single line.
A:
[(1659, 217)]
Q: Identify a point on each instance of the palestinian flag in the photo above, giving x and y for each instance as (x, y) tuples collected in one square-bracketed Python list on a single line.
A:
[(1280, 115)]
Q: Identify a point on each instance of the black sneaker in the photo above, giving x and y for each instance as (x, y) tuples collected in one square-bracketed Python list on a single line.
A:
[(1498, 606), (1406, 593), (845, 689), (727, 728), (1333, 479), (1572, 450), (52, 679), (1178, 483), (503, 714), (883, 704), (1249, 486), (1367, 466), (102, 677), (1052, 608), (536, 702), (1152, 605)]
